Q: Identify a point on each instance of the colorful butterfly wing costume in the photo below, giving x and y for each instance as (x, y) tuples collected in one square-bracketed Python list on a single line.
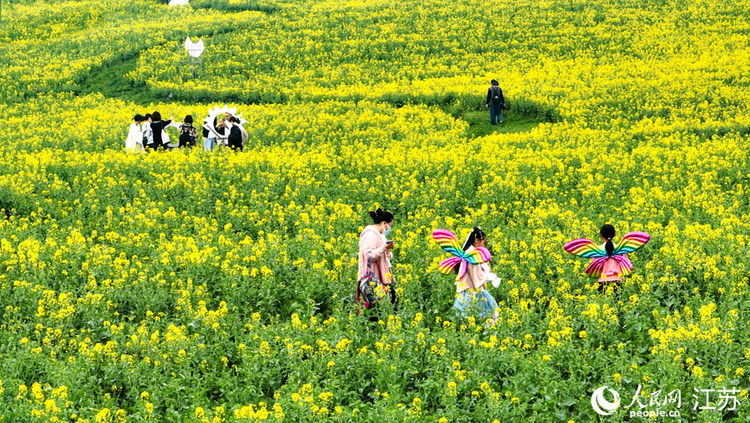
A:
[(447, 241), (586, 248)]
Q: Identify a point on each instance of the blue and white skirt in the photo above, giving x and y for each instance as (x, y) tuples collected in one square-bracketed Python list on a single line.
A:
[(475, 303)]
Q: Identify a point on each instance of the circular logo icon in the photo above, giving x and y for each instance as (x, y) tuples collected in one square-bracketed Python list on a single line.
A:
[(601, 405)]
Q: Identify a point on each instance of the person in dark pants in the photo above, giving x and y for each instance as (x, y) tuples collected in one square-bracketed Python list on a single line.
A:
[(495, 102), (188, 133), (235, 134), (148, 134), (157, 126)]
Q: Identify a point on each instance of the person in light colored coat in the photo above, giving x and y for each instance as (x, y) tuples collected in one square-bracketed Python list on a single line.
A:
[(134, 142)]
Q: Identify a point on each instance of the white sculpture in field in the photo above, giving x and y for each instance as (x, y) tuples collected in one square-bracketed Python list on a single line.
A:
[(194, 49), (178, 2), (219, 114)]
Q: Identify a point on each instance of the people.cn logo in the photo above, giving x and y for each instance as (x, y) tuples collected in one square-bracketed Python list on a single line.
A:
[(601, 405)]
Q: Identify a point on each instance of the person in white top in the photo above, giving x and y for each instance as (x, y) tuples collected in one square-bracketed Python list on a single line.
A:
[(167, 140), (134, 142), (223, 128)]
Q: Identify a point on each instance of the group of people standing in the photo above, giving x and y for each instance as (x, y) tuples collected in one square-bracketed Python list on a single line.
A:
[(148, 132)]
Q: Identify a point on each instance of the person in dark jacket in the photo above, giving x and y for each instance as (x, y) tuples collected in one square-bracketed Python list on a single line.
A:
[(495, 102), (157, 126), (188, 133), (235, 134)]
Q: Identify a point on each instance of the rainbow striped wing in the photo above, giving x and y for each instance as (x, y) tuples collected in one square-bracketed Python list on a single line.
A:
[(631, 242), (446, 266), (478, 256), (462, 270), (626, 267), (585, 248), (594, 270), (448, 242)]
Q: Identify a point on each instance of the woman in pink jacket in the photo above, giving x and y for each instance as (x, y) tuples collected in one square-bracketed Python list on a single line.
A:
[(373, 241)]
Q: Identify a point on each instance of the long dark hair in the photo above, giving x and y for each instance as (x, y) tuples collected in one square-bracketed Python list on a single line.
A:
[(476, 235), (608, 232), (156, 116), (381, 216)]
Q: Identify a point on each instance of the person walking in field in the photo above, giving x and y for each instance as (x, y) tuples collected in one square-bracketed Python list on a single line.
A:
[(134, 142), (374, 276), (472, 273), (609, 261), (495, 103)]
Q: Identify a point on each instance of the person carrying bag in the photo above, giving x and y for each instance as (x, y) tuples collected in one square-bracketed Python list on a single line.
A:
[(374, 276), (495, 103), (370, 290)]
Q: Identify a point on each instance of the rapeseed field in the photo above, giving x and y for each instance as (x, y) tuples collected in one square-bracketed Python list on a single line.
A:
[(191, 286)]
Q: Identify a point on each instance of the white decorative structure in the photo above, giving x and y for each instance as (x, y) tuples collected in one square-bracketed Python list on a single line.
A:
[(178, 2), (194, 49), (218, 114), (192, 60)]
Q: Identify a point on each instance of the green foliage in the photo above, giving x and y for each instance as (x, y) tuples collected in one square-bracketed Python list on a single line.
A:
[(234, 6)]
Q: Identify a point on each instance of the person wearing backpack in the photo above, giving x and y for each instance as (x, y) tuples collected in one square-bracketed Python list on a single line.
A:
[(188, 133), (495, 103)]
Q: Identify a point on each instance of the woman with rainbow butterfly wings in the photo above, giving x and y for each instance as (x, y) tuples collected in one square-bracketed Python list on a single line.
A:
[(609, 263), (472, 272)]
